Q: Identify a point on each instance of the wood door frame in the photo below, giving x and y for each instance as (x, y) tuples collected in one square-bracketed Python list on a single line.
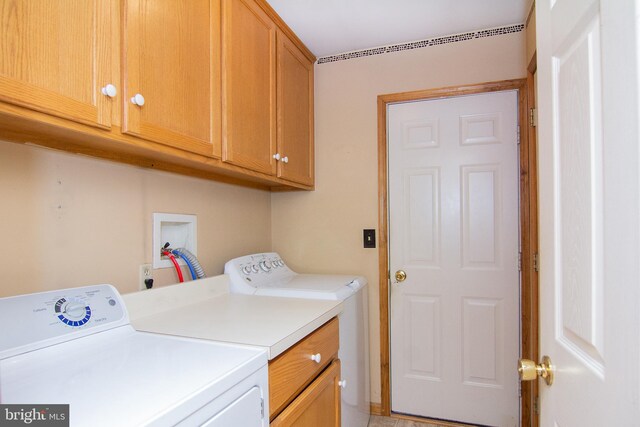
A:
[(528, 223)]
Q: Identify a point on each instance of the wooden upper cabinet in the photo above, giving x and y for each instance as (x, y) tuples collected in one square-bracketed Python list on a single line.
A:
[(215, 87), (55, 57), (249, 86), (171, 57), (295, 113)]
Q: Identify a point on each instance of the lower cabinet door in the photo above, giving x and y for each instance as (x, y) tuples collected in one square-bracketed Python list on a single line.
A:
[(318, 405)]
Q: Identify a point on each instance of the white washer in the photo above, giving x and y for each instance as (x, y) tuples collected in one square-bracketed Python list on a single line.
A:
[(76, 347), (267, 274)]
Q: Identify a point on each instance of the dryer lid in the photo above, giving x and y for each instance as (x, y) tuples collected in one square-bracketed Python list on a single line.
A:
[(315, 286)]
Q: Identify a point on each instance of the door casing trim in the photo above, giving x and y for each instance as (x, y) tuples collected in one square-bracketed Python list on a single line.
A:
[(528, 224)]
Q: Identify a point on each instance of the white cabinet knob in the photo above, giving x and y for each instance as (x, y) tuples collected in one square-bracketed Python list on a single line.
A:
[(276, 156), (316, 357), (342, 383), (137, 99), (285, 159), (110, 91)]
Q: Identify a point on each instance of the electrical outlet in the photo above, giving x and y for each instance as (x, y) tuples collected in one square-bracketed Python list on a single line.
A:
[(145, 273)]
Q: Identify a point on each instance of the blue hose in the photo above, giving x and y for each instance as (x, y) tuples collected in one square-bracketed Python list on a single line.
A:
[(186, 261), (185, 254)]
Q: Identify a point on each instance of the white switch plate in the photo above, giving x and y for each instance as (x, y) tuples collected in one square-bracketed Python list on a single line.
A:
[(146, 272)]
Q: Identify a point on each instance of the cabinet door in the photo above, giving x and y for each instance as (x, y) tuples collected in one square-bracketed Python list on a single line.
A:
[(172, 58), (292, 371), (249, 83), (55, 57), (318, 405), (295, 113)]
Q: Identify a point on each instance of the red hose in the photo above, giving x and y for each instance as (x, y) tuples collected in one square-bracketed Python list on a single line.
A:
[(175, 264)]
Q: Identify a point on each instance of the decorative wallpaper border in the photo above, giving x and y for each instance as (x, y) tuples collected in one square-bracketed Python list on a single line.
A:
[(454, 38)]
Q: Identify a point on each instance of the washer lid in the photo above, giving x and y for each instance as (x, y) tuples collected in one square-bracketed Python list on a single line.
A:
[(122, 376), (313, 286)]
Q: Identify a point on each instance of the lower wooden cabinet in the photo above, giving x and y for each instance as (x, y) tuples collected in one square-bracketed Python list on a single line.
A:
[(291, 372), (303, 381), (318, 405)]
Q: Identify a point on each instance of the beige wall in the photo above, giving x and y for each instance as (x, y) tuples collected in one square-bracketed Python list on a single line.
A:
[(68, 220), (322, 231)]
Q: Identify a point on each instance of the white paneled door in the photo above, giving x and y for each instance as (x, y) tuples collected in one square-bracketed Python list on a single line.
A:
[(453, 229), (589, 198)]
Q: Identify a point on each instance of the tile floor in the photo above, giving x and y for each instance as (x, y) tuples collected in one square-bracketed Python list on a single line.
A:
[(377, 421)]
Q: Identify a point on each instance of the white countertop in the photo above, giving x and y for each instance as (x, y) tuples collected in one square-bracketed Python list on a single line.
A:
[(205, 309)]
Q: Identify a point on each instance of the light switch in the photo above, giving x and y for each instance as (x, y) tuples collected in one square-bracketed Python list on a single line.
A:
[(369, 237)]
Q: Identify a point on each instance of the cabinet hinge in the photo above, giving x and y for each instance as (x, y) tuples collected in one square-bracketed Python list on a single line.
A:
[(536, 405), (519, 261), (262, 408), (518, 135), (533, 117), (536, 262)]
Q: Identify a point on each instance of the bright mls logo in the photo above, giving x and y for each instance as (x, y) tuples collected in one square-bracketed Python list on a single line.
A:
[(34, 415)]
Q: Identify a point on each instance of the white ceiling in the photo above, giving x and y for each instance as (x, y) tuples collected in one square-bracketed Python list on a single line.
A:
[(329, 27)]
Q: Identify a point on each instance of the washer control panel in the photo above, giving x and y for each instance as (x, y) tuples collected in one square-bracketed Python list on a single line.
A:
[(47, 318), (252, 271)]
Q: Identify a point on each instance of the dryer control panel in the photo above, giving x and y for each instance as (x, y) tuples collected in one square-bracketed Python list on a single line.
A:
[(249, 272), (38, 320)]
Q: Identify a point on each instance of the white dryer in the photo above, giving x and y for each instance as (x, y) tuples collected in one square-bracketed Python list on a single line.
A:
[(76, 347), (267, 274)]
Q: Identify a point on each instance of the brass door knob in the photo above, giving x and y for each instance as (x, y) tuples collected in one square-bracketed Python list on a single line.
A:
[(528, 370), (400, 276)]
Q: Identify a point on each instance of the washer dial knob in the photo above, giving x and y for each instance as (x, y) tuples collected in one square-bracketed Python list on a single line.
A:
[(246, 270), (72, 312), (265, 266), (75, 310)]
